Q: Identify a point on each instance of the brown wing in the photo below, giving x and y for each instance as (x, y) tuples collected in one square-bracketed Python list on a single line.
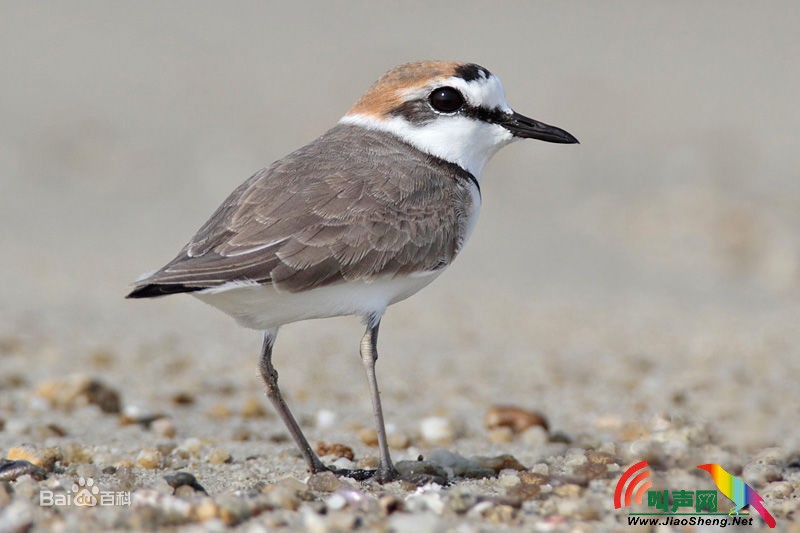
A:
[(351, 205)]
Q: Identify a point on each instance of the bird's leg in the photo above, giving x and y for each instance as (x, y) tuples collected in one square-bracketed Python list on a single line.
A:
[(369, 354), (270, 376)]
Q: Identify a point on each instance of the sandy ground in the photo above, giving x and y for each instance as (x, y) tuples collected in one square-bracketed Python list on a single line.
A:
[(641, 290)]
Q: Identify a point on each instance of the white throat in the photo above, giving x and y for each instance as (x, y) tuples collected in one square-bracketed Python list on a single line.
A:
[(465, 141), (461, 140)]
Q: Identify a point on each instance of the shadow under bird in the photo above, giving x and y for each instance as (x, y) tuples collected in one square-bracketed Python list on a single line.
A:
[(359, 219)]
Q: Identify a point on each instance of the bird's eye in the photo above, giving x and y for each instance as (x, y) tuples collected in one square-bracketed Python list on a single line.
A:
[(446, 100)]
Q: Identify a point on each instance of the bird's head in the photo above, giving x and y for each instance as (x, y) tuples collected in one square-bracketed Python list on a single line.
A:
[(707, 467), (454, 111)]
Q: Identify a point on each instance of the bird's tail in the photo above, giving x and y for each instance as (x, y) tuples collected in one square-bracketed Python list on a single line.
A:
[(768, 518)]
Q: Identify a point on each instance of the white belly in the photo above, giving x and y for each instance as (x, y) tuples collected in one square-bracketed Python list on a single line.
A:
[(264, 307)]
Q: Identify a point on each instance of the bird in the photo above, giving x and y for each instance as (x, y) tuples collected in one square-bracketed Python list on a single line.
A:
[(359, 219), (739, 492)]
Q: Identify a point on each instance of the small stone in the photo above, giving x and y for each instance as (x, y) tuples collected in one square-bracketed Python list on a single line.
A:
[(535, 437), (499, 462), (78, 390), (335, 450), (205, 510), (508, 481), (324, 482), (164, 427), (425, 500), (529, 487), (516, 418), (87, 471), (343, 463), (437, 430), (777, 490), (461, 500), (134, 415), (575, 457), (18, 516), (398, 441), (390, 504), (500, 514), (218, 456), (421, 472), (184, 479), (149, 458), (286, 493), (501, 435), (569, 490), (74, 453), (414, 523), (192, 446), (182, 398), (369, 462), (42, 457), (601, 458), (325, 419), (220, 411), (253, 408), (368, 436)]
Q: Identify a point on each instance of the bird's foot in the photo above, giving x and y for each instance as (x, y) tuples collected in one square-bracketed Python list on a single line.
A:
[(413, 472)]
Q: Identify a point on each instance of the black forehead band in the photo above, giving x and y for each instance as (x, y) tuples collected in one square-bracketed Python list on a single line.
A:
[(472, 72)]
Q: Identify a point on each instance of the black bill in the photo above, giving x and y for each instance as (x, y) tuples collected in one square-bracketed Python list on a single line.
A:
[(527, 128)]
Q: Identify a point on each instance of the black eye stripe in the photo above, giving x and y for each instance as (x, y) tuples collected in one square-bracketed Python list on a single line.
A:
[(493, 116)]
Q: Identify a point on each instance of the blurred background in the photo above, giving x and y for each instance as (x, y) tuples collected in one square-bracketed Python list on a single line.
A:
[(653, 269)]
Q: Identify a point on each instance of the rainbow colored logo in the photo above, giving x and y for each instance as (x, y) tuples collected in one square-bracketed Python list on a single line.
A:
[(737, 491), (688, 507)]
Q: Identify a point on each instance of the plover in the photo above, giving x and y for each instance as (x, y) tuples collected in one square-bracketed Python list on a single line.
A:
[(359, 219)]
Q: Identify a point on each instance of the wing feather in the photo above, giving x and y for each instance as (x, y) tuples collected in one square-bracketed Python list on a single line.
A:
[(369, 206)]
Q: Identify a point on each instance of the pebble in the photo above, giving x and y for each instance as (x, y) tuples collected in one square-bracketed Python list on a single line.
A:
[(425, 500), (73, 453), (335, 450), (535, 437), (184, 479), (254, 408), (78, 390), (499, 462), (501, 435), (515, 418), (414, 523), (324, 482), (389, 504), (421, 472), (17, 516), (191, 446), (164, 427), (182, 398), (759, 474), (42, 457), (575, 457), (218, 456), (457, 465), (368, 436), (398, 440), (149, 458), (437, 430), (325, 419)]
